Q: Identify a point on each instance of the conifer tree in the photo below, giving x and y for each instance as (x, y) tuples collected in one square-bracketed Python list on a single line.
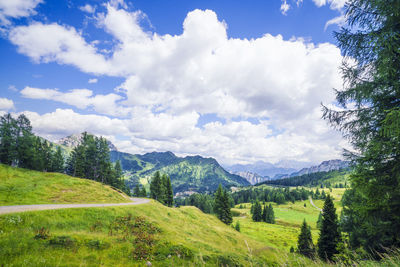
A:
[(156, 190), (8, 149), (305, 244), (169, 198), (57, 164), (329, 236), (237, 226), (136, 191), (257, 212), (24, 142), (265, 213), (369, 117), (221, 205), (143, 192), (270, 218)]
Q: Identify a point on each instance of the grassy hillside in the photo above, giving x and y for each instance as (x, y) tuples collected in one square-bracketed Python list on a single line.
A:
[(21, 186), (187, 174), (82, 237)]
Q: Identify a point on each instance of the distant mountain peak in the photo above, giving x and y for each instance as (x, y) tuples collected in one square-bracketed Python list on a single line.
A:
[(252, 177), (74, 140), (325, 166)]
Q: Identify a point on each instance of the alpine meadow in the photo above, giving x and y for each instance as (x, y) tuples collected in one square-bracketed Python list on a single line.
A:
[(199, 133)]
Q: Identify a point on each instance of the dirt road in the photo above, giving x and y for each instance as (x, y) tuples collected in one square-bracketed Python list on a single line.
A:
[(21, 208)]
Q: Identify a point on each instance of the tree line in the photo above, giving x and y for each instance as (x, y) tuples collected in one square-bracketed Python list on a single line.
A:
[(276, 195), (21, 148), (90, 159), (310, 179)]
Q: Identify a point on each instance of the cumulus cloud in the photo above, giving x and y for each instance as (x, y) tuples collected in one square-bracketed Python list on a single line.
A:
[(6, 104), (173, 80), (16, 9), (88, 8), (333, 4), (94, 80), (80, 98)]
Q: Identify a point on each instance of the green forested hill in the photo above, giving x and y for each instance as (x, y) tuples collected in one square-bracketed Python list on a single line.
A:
[(192, 173), (330, 178)]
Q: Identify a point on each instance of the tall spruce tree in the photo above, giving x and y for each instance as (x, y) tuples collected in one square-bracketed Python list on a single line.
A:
[(305, 244), (24, 142), (169, 194), (57, 164), (156, 187), (270, 215), (136, 191), (8, 146), (221, 205), (370, 116), (257, 212), (329, 236)]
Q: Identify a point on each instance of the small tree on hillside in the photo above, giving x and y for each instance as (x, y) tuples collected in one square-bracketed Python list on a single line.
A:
[(221, 205), (257, 212), (329, 236), (305, 245), (270, 216), (136, 191)]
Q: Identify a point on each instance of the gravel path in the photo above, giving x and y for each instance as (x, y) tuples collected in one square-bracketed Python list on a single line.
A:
[(21, 208), (312, 203)]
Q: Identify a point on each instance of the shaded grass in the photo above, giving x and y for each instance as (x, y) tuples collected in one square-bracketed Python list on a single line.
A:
[(21, 186)]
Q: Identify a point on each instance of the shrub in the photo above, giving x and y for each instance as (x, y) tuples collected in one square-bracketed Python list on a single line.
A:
[(62, 241), (42, 233)]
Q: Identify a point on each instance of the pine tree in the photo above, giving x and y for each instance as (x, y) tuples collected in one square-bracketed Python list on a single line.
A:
[(319, 221), (270, 218), (329, 235), (237, 226), (143, 192), (369, 117), (257, 212), (8, 148), (169, 198), (57, 164), (156, 187), (265, 213), (221, 205), (305, 244), (136, 191), (24, 142)]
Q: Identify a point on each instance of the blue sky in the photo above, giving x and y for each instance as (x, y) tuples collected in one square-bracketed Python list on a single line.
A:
[(240, 81)]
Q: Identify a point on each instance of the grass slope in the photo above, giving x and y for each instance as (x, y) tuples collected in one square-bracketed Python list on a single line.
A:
[(22, 186), (187, 237)]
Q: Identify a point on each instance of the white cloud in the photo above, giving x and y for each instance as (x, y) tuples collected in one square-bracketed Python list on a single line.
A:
[(285, 7), (16, 9), (340, 21), (88, 8), (80, 98), (6, 104), (334, 4), (55, 43), (94, 80), (171, 80)]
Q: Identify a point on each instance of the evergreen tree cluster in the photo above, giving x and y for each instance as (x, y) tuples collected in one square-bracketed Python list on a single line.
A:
[(262, 214), (311, 179), (277, 195), (161, 189), (91, 160), (222, 207), (139, 192), (369, 116), (20, 147), (203, 202)]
